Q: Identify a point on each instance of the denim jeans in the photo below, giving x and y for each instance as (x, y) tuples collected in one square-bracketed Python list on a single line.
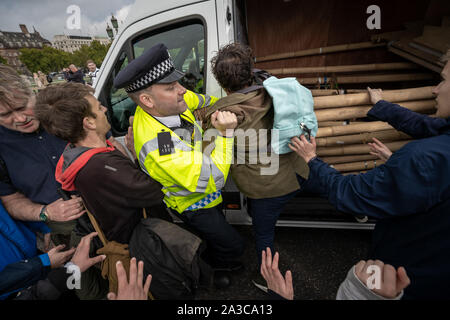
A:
[(265, 213)]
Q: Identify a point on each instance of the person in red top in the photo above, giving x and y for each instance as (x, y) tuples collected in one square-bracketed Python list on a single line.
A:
[(112, 187)]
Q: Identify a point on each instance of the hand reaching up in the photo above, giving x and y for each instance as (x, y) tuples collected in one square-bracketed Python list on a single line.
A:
[(273, 276), (377, 148)]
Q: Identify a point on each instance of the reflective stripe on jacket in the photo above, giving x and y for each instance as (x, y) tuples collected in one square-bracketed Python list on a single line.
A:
[(190, 178)]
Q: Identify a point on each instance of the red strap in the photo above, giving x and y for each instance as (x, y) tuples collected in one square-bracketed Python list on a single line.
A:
[(67, 177)]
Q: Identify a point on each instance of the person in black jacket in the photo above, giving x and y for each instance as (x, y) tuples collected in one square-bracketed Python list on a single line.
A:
[(113, 188), (74, 74)]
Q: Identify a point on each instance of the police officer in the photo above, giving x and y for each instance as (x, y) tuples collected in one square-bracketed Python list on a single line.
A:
[(168, 145)]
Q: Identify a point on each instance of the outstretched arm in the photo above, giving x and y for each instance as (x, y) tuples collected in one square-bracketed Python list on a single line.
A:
[(382, 192), (412, 123)]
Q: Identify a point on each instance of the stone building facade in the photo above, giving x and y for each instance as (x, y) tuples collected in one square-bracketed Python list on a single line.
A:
[(12, 42), (74, 43)]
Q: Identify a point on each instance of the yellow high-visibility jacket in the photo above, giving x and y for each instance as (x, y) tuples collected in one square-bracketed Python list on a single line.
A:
[(191, 179)]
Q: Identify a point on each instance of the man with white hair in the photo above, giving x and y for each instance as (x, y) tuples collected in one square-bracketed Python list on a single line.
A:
[(30, 156)]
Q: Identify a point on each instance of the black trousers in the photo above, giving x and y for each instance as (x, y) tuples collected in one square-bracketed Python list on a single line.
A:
[(224, 243)]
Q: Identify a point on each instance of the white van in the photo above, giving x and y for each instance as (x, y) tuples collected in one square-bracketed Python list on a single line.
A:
[(193, 31)]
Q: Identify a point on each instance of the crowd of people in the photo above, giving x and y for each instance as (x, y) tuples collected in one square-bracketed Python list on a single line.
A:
[(74, 74), (63, 178), (70, 74)]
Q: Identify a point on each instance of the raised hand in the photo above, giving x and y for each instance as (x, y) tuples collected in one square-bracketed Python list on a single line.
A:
[(304, 148), (375, 95), (377, 148), (391, 281), (225, 122), (135, 289), (275, 280)]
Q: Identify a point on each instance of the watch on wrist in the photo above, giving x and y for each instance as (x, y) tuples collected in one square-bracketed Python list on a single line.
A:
[(43, 215)]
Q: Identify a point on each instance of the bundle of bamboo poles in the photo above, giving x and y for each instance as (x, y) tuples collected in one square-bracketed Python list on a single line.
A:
[(331, 71), (327, 75), (321, 51), (344, 132)]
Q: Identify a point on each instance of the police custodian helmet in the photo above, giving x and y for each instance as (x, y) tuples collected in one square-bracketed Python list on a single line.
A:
[(153, 66)]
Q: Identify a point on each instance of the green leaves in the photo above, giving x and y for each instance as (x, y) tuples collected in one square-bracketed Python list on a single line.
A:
[(50, 59)]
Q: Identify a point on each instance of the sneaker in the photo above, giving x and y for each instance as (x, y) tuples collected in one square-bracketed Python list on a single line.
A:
[(362, 219), (259, 282)]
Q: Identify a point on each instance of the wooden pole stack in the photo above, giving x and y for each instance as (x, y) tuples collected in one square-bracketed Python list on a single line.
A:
[(341, 130), (356, 149), (347, 159), (386, 135), (361, 111), (344, 130), (348, 68), (355, 166), (321, 51), (348, 100), (366, 78)]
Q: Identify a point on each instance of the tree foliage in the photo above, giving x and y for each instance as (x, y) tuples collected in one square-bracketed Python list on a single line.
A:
[(96, 51), (50, 59), (3, 60), (46, 60)]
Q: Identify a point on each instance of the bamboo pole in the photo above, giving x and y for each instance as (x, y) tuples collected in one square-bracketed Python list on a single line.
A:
[(325, 124), (386, 135), (342, 130), (348, 100), (342, 113), (356, 149), (361, 111), (319, 51), (355, 166), (411, 57), (323, 92), (347, 68), (338, 123), (350, 91), (347, 159), (367, 78)]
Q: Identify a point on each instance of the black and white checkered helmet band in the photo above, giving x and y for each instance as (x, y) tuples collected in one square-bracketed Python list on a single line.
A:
[(157, 73)]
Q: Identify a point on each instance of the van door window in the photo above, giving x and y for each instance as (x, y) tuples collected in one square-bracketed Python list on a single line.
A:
[(120, 106), (186, 44)]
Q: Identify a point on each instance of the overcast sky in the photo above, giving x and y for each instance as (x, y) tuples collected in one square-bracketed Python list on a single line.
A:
[(50, 17)]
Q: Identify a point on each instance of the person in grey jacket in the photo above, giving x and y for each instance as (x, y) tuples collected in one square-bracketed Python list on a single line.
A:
[(386, 282)]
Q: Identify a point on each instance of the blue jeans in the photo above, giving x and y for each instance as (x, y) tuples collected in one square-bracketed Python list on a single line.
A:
[(265, 213)]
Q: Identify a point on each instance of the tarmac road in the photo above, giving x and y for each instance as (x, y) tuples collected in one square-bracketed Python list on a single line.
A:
[(318, 258)]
